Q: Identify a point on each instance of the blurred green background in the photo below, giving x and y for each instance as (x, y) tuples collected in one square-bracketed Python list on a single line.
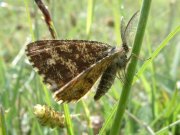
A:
[(154, 100)]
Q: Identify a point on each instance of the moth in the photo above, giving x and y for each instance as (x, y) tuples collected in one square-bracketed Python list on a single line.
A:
[(71, 67)]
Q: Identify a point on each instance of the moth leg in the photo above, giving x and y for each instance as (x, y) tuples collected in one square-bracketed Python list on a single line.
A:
[(139, 58), (121, 76), (124, 73)]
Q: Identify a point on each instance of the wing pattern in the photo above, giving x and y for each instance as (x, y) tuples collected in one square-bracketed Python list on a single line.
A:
[(59, 61)]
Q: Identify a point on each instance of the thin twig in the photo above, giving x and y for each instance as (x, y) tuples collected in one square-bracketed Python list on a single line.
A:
[(47, 17)]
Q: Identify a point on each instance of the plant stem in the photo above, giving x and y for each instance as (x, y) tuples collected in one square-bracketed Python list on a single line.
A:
[(131, 68), (3, 129), (69, 125)]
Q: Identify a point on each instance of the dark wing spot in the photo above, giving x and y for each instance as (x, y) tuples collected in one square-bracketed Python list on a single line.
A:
[(90, 80)]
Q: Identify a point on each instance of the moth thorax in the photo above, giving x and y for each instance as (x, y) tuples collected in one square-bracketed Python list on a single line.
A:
[(122, 61)]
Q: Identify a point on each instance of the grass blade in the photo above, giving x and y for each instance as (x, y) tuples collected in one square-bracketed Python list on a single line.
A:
[(108, 120), (131, 68), (89, 16), (3, 130), (69, 125), (88, 117), (157, 51), (167, 127), (29, 19)]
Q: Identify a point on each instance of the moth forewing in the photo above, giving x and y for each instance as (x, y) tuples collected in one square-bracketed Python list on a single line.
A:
[(59, 61)]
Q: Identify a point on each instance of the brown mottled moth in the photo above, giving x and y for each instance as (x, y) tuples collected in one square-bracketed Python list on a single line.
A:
[(71, 67)]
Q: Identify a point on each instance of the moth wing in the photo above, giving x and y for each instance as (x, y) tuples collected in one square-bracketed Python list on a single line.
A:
[(59, 61), (128, 32)]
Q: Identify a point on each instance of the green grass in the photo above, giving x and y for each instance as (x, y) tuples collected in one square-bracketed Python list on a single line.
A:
[(153, 106), (131, 69), (3, 129)]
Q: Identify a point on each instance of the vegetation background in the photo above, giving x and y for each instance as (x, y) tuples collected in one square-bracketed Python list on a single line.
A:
[(153, 106)]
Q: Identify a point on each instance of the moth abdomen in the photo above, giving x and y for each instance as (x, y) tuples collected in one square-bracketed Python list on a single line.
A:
[(106, 81)]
